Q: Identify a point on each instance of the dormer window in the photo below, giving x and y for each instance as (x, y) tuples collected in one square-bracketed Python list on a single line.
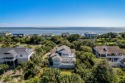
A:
[(104, 49), (21, 55), (6, 53)]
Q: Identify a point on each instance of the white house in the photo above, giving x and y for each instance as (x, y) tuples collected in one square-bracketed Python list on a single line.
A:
[(65, 34), (5, 33), (47, 34), (90, 34), (63, 57), (112, 53), (18, 54)]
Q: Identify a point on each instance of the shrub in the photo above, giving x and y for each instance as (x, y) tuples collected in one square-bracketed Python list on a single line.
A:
[(29, 74)]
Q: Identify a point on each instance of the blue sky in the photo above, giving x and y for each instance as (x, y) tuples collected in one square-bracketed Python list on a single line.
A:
[(59, 13)]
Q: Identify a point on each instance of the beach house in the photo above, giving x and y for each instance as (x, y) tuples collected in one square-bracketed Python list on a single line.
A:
[(65, 34), (112, 53), (62, 57), (5, 33), (19, 35), (90, 34), (15, 55), (47, 34)]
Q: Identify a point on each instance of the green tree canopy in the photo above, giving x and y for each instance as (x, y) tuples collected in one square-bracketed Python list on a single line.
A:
[(86, 49), (104, 73), (73, 78), (73, 37)]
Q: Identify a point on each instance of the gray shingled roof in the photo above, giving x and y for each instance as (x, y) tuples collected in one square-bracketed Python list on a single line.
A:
[(13, 52), (110, 49), (22, 50), (64, 47)]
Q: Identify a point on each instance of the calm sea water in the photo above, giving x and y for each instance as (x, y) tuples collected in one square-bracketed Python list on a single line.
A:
[(59, 30)]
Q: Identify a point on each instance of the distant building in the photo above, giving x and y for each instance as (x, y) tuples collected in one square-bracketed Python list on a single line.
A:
[(65, 34), (5, 33), (112, 53), (31, 35), (90, 34), (63, 57), (47, 35), (18, 35), (15, 55)]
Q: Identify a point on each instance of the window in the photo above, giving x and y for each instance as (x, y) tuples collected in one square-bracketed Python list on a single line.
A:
[(108, 54), (6, 53), (113, 54), (120, 54), (103, 55), (21, 55), (8, 57)]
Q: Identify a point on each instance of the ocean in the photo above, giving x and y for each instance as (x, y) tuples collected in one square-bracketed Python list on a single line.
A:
[(59, 30)]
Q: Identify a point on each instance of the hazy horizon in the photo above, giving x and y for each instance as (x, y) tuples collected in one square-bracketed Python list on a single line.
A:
[(62, 13)]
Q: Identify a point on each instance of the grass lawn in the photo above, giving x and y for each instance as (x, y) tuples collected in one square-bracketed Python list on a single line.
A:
[(1, 45), (66, 72), (25, 45), (123, 50), (33, 46)]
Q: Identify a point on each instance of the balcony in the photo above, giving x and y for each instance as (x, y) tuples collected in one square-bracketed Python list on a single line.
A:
[(9, 59)]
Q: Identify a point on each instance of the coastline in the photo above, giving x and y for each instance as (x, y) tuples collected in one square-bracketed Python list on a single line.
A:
[(59, 30)]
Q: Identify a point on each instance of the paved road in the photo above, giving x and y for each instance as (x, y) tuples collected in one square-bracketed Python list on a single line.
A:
[(46, 55)]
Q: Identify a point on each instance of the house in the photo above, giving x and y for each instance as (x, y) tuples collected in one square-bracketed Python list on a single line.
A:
[(65, 34), (18, 35), (112, 53), (47, 34), (5, 33), (15, 55), (90, 34), (31, 35), (63, 57)]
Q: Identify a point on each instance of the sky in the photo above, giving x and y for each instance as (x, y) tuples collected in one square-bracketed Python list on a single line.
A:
[(62, 13)]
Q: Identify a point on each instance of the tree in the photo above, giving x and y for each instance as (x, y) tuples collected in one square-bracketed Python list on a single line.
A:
[(36, 40), (37, 60), (87, 55), (33, 80), (85, 58), (8, 41), (109, 35), (73, 78), (3, 68), (122, 81), (49, 43), (65, 42), (76, 45), (86, 49), (73, 37), (54, 76), (39, 50), (29, 74), (50, 76), (57, 39), (103, 73), (90, 43), (16, 39), (2, 38), (122, 34)]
